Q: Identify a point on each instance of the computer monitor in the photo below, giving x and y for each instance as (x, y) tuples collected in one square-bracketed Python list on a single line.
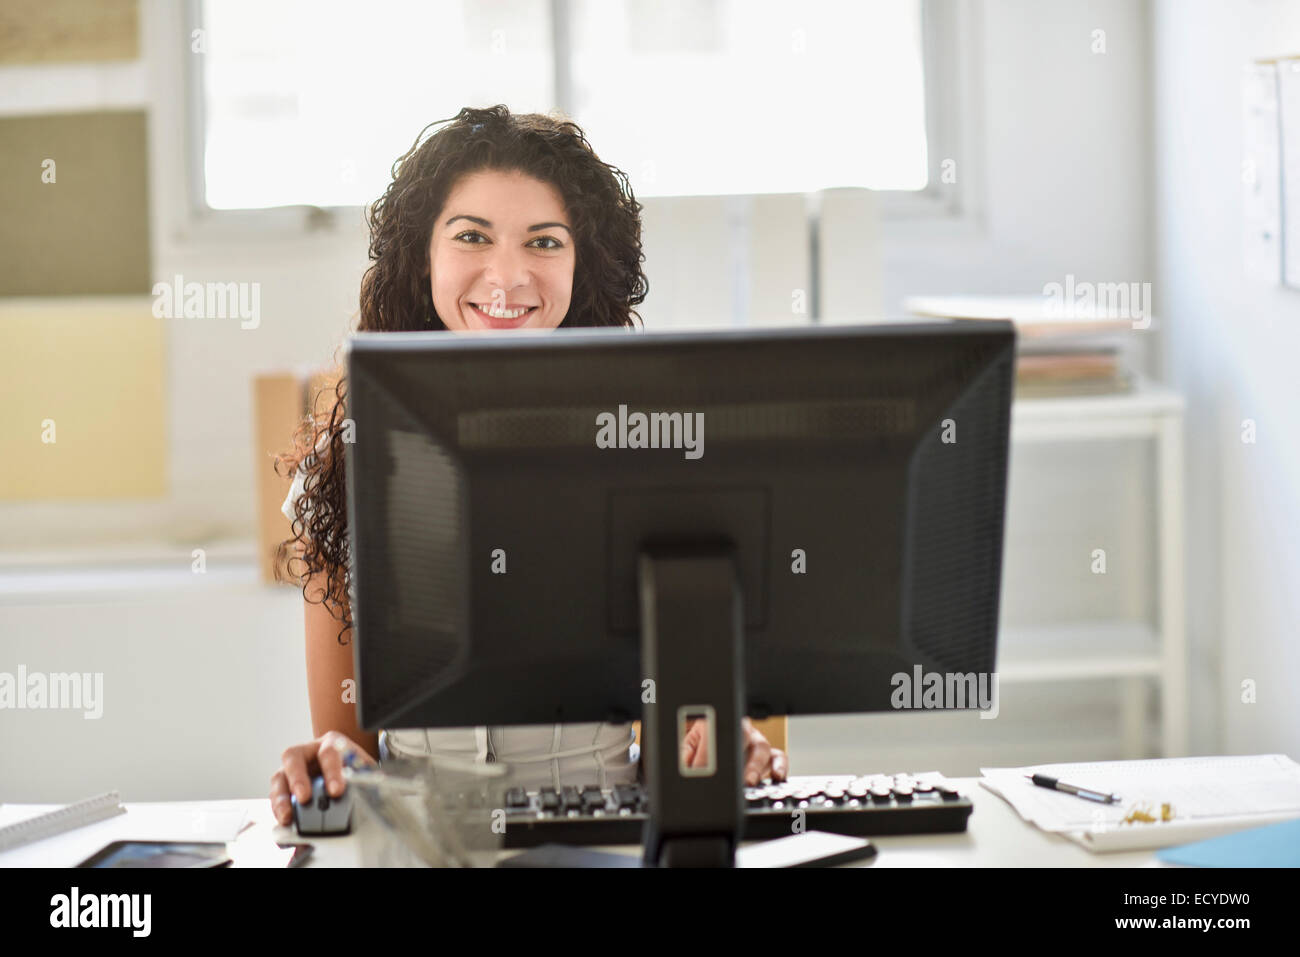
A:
[(596, 524)]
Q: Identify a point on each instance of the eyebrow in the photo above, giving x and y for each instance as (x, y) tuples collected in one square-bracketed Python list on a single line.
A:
[(485, 223)]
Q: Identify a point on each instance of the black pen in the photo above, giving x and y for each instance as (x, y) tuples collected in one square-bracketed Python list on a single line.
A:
[(1043, 781)]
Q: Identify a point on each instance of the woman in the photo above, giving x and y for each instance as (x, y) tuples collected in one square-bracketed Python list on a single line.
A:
[(494, 221)]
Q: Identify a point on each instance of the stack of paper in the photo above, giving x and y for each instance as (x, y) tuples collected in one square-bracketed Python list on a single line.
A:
[(1064, 347), (1209, 796)]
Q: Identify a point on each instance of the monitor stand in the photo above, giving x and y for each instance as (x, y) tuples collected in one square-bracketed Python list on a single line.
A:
[(692, 634)]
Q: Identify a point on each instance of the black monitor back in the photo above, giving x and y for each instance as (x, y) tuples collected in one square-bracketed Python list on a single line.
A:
[(858, 471)]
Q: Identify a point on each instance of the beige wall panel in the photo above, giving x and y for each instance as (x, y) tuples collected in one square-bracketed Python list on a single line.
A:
[(89, 375)]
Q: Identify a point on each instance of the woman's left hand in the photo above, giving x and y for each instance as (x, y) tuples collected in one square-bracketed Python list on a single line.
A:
[(761, 759)]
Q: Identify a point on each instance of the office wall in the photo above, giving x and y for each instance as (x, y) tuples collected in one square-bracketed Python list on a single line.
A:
[(201, 680), (1060, 142), (1232, 347)]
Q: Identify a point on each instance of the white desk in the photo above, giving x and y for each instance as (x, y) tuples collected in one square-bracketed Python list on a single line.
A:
[(995, 837)]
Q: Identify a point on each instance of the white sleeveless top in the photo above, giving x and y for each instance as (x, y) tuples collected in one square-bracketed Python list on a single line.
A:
[(537, 756)]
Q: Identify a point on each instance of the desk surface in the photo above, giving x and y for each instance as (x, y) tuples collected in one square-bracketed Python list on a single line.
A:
[(995, 837)]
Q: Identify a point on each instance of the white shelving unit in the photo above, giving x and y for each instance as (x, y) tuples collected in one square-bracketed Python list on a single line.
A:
[(1132, 652)]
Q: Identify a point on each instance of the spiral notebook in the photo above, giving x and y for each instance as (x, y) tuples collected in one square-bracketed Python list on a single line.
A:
[(68, 818)]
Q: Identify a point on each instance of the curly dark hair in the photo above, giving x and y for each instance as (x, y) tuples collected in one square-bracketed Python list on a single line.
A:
[(395, 296)]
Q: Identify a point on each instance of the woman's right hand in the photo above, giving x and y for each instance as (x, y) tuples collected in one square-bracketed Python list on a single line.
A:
[(302, 762)]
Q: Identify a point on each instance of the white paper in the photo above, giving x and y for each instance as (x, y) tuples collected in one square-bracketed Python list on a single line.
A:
[(1147, 837), (1209, 795), (797, 849), (257, 847)]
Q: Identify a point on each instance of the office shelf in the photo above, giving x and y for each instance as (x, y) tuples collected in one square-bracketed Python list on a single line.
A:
[(1104, 649), (1133, 652)]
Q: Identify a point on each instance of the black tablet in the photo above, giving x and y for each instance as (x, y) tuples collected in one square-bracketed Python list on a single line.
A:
[(159, 854)]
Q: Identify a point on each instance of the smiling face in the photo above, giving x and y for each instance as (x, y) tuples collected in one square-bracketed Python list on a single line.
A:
[(501, 255)]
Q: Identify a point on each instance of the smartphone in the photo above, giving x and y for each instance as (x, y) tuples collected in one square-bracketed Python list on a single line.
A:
[(159, 854)]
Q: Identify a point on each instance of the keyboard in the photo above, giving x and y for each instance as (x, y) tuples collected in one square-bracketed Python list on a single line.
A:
[(857, 805)]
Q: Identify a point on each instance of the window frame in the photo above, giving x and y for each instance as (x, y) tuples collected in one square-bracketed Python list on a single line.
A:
[(950, 44), (951, 41)]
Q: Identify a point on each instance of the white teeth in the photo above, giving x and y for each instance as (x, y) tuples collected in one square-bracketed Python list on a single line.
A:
[(503, 313)]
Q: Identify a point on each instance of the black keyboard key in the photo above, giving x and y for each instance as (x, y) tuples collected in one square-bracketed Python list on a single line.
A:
[(516, 797), (550, 800)]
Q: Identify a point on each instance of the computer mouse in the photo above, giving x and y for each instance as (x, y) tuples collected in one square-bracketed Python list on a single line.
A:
[(323, 815)]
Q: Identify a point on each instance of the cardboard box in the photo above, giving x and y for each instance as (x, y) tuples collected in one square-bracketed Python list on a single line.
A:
[(280, 404)]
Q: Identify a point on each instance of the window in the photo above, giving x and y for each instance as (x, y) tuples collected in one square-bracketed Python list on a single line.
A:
[(309, 103), (718, 97)]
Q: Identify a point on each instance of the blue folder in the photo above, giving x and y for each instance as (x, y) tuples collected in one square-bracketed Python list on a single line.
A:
[(1275, 845)]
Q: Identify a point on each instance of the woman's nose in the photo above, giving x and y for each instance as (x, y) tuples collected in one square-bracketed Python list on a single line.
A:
[(507, 268)]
